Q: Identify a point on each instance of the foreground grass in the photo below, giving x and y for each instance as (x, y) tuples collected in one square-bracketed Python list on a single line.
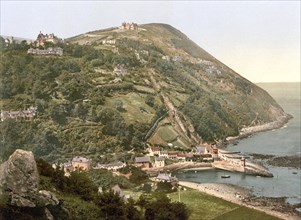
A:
[(204, 206)]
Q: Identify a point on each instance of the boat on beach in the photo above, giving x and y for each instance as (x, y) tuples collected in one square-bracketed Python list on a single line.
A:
[(225, 176)]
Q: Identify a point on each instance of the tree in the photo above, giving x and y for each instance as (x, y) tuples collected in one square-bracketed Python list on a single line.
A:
[(132, 212), (2, 44), (111, 205), (138, 176), (149, 100), (81, 184), (164, 187), (162, 208), (119, 105), (146, 188)]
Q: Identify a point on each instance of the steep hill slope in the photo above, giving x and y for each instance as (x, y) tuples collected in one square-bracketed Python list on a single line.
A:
[(115, 89)]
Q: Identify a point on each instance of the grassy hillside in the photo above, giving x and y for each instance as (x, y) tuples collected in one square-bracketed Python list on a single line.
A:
[(87, 108)]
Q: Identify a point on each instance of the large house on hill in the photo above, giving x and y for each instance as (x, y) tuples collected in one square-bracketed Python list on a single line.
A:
[(42, 38)]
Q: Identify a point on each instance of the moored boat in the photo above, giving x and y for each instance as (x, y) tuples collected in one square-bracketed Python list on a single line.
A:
[(225, 176)]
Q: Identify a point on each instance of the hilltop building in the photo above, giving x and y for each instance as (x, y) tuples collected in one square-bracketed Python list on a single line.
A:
[(129, 26), (56, 51), (21, 115), (42, 38)]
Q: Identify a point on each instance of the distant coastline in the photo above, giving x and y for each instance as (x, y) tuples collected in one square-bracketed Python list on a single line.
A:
[(248, 131)]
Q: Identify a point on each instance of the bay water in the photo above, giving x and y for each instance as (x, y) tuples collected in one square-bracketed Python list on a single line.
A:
[(285, 141)]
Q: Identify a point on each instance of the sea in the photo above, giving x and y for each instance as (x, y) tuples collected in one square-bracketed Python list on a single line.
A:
[(285, 141)]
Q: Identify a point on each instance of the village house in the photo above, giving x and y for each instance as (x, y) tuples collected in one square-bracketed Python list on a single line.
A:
[(163, 154), (154, 151), (197, 158), (189, 157), (109, 42), (200, 149), (164, 177), (110, 166), (159, 162), (120, 70), (211, 149), (68, 168), (143, 162), (42, 38), (81, 163), (172, 155), (21, 115), (129, 26), (181, 156), (52, 51)]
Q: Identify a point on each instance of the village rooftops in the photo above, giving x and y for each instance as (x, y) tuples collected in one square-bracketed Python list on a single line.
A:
[(163, 177), (159, 158), (142, 160), (200, 149), (156, 149), (181, 155), (115, 165), (67, 164), (80, 159)]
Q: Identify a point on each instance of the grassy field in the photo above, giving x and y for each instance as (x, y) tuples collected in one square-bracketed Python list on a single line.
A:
[(167, 134), (133, 103), (204, 206)]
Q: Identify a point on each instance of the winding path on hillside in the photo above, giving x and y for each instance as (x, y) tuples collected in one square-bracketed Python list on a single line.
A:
[(186, 127)]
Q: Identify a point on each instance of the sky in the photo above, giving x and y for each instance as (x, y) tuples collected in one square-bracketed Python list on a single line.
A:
[(260, 40)]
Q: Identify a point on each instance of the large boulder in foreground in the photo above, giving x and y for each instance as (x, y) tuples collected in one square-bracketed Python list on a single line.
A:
[(19, 182), (19, 174)]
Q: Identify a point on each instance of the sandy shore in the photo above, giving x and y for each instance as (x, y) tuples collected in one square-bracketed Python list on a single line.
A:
[(237, 195)]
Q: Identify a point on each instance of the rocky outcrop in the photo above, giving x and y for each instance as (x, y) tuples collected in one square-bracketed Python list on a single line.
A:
[(19, 182)]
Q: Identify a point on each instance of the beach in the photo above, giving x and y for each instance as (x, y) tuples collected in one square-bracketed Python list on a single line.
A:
[(242, 196)]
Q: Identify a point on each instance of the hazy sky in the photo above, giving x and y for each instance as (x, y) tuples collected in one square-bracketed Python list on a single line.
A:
[(258, 39)]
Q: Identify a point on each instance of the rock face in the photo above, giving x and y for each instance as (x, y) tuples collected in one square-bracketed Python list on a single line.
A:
[(19, 181)]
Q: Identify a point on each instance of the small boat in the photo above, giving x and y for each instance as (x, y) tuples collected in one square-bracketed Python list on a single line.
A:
[(225, 176), (295, 172)]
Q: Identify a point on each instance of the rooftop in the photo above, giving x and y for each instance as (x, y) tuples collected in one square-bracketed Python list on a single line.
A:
[(80, 159), (159, 158), (142, 160)]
